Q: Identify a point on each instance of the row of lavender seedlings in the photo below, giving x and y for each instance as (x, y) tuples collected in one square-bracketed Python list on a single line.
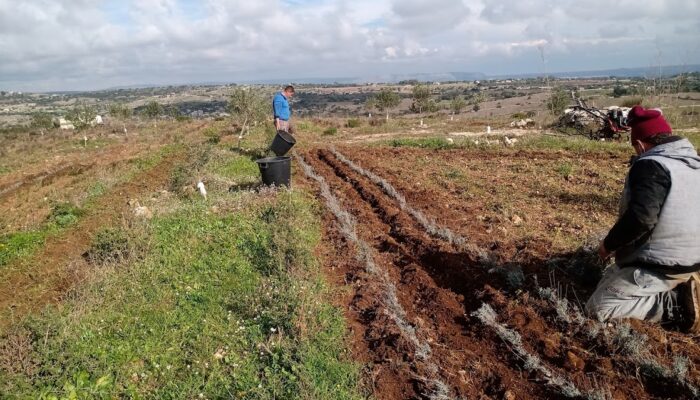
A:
[(566, 312), (396, 312), (486, 313), (619, 336), (532, 362), (430, 226)]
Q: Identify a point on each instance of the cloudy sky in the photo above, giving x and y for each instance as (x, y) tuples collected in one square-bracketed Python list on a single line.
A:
[(91, 44)]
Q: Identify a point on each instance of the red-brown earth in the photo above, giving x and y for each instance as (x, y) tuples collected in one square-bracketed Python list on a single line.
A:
[(529, 211)]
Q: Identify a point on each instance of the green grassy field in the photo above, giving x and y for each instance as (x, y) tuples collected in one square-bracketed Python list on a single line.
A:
[(212, 299)]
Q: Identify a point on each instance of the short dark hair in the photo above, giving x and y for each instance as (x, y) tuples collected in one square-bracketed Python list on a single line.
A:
[(289, 88), (656, 140)]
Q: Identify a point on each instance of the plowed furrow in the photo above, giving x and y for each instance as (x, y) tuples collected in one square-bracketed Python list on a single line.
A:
[(436, 285)]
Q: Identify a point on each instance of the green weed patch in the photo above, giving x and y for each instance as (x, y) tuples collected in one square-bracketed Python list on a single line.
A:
[(425, 143), (576, 144), (236, 167), (64, 214), (19, 244), (24, 243), (221, 306)]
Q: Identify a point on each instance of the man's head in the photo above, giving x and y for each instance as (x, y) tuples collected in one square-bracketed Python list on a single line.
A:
[(289, 91), (648, 127)]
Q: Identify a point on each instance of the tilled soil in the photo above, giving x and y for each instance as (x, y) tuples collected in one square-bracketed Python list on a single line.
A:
[(440, 286), (481, 193)]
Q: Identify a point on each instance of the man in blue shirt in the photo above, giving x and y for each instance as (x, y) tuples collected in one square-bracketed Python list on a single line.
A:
[(280, 108)]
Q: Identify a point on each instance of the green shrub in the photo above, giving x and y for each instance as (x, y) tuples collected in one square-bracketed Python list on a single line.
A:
[(619, 91), (152, 109), (120, 111), (631, 102), (179, 178), (453, 174), (330, 131), (82, 116), (212, 134), (354, 123), (109, 245), (565, 169), (42, 120), (558, 101), (64, 214)]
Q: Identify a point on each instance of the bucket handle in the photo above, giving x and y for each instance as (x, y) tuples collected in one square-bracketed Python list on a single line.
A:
[(263, 165)]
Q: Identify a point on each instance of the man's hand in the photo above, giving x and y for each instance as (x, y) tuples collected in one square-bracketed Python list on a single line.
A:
[(603, 253)]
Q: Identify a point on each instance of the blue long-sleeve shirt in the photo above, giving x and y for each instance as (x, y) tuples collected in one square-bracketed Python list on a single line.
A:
[(280, 107)]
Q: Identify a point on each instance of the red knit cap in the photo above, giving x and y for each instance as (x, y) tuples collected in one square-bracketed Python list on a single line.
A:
[(647, 123)]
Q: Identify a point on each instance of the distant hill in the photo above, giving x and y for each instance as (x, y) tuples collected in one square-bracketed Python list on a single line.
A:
[(473, 76), (424, 77), (618, 72), (668, 70)]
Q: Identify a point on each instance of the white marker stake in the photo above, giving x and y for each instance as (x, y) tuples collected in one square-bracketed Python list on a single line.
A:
[(202, 189)]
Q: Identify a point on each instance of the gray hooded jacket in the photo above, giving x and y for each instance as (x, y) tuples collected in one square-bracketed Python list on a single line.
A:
[(675, 240)]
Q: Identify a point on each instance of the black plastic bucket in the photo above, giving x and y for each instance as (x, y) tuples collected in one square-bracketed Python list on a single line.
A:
[(282, 143), (275, 170)]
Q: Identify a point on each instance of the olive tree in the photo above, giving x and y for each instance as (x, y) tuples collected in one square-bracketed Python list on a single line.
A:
[(421, 98), (42, 121), (385, 100), (476, 101), (248, 108), (558, 101), (457, 104), (370, 104), (82, 116), (120, 111), (153, 109)]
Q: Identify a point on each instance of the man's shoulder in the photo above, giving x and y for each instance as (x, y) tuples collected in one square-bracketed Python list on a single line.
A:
[(649, 169), (280, 96)]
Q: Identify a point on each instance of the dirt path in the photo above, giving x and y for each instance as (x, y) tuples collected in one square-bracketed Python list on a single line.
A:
[(440, 287), (29, 285), (61, 170), (70, 164)]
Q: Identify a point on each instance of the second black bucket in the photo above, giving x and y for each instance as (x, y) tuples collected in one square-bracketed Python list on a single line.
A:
[(282, 143), (275, 170)]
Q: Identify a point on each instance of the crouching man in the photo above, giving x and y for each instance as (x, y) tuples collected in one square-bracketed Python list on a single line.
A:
[(656, 240)]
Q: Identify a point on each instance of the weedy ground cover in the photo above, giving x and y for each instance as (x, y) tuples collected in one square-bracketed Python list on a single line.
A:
[(210, 299), (23, 243)]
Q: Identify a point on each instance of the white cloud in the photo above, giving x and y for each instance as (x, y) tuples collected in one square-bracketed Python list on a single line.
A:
[(63, 44), (428, 16)]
